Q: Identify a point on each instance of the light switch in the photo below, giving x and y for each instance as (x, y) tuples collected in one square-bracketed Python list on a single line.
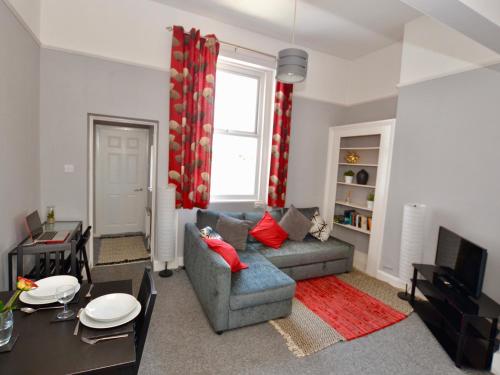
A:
[(69, 168)]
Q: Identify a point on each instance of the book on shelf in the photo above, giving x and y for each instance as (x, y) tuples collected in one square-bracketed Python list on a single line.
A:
[(364, 223), (355, 219)]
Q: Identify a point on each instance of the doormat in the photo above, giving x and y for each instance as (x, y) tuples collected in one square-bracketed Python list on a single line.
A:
[(115, 250), (331, 309)]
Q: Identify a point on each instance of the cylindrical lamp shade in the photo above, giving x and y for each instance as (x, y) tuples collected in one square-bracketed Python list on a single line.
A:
[(412, 239), (292, 65)]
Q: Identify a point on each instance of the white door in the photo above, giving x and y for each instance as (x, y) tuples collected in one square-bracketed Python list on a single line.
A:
[(121, 179)]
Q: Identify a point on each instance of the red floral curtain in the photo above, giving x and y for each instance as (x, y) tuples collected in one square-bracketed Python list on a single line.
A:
[(192, 94), (280, 145)]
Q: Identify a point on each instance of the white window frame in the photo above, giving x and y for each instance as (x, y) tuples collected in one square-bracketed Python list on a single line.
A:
[(263, 126)]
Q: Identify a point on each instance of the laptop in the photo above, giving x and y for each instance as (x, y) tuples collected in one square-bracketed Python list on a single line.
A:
[(38, 235)]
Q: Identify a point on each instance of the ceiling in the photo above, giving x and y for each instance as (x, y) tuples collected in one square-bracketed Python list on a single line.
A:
[(343, 28)]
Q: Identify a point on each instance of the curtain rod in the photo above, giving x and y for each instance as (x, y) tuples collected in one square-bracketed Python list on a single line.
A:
[(236, 46)]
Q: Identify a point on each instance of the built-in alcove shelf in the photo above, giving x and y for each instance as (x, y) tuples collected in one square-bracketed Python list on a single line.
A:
[(354, 205), (347, 202), (359, 165), (358, 185), (352, 227)]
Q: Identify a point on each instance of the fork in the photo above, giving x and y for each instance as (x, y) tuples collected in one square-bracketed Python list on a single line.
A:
[(95, 341), (75, 332)]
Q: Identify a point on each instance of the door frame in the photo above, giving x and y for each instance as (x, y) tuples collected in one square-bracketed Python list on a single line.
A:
[(386, 130), (93, 121)]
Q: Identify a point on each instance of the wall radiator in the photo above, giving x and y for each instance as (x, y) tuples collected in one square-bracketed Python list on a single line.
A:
[(147, 228)]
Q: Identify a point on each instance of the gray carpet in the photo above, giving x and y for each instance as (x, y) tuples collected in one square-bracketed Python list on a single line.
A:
[(180, 341)]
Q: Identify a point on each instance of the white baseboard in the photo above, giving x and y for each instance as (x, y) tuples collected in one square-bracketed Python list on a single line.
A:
[(360, 260), (391, 279), (495, 364), (396, 282), (172, 265), (158, 266)]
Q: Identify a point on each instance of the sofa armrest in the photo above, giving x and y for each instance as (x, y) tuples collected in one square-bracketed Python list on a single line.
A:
[(210, 276)]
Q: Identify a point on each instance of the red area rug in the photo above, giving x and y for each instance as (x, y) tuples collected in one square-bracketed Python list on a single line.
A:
[(348, 310)]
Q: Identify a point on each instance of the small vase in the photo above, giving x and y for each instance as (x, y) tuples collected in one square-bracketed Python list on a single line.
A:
[(348, 179), (362, 177), (6, 326), (369, 205), (51, 215)]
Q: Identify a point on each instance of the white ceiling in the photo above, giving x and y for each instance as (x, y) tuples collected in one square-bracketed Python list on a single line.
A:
[(344, 28)]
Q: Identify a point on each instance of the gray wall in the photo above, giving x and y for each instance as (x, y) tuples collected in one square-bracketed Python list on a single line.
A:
[(446, 155), (73, 86), (371, 111), (308, 150), (19, 134)]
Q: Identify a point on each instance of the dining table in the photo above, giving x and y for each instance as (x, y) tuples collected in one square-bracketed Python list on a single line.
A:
[(45, 346)]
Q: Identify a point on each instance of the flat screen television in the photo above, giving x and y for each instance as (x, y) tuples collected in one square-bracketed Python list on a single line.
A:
[(465, 261)]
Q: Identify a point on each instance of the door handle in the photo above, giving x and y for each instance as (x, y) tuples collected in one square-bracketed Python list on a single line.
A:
[(140, 189)]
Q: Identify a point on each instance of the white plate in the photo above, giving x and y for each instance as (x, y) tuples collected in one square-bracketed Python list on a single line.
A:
[(26, 298), (47, 286), (86, 321), (110, 307)]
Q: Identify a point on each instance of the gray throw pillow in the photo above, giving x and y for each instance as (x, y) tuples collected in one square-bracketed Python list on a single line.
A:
[(209, 218), (295, 224), (234, 231), (306, 211)]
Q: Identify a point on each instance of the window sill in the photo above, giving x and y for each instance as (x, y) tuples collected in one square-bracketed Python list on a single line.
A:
[(254, 202)]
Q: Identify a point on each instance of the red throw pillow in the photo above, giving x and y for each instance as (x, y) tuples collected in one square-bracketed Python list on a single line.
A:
[(269, 232), (226, 251)]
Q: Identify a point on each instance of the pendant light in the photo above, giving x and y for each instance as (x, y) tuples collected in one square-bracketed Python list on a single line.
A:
[(292, 62)]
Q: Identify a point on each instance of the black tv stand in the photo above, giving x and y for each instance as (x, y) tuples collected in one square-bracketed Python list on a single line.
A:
[(465, 327)]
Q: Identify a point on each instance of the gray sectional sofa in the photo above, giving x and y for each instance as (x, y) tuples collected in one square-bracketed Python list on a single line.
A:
[(264, 290)]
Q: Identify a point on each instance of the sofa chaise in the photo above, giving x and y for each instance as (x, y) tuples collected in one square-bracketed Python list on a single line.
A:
[(264, 291)]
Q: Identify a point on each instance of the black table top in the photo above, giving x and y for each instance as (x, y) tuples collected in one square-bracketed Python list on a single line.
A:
[(483, 306), (51, 348), (72, 226)]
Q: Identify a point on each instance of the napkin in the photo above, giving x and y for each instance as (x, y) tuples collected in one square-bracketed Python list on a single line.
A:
[(91, 333)]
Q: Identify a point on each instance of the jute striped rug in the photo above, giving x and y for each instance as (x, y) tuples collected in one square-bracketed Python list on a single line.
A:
[(115, 250), (305, 332)]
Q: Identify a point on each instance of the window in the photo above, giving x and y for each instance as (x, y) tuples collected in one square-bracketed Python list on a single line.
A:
[(241, 132)]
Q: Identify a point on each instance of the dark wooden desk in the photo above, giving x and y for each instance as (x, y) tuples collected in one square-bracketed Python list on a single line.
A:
[(75, 229), (51, 348)]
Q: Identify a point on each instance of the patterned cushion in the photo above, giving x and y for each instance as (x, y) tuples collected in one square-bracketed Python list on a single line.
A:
[(208, 232), (319, 228)]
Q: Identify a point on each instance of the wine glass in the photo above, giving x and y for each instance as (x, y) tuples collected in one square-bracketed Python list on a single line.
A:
[(65, 294)]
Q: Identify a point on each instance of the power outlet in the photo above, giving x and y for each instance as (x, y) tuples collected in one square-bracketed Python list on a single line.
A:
[(69, 168)]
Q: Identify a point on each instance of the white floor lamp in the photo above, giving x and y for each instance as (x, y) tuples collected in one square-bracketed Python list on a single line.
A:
[(412, 243), (166, 228)]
